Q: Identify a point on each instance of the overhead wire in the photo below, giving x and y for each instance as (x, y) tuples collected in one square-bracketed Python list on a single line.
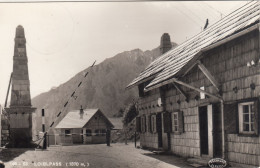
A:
[(187, 16), (212, 8), (207, 12), (191, 11)]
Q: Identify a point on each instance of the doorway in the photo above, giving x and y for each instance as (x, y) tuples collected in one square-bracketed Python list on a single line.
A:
[(203, 118), (159, 129), (217, 131)]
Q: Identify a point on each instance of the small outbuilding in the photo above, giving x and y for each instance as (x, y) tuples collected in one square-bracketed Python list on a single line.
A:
[(89, 126)]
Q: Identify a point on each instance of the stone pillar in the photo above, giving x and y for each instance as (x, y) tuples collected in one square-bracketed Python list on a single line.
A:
[(20, 110), (166, 44)]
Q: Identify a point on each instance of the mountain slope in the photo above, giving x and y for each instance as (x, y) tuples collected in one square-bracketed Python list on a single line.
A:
[(103, 88)]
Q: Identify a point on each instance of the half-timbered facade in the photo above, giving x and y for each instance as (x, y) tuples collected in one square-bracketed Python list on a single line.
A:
[(201, 99)]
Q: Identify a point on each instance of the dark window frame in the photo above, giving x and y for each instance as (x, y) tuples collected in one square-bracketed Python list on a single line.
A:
[(96, 132), (88, 132), (67, 132), (240, 118), (103, 132)]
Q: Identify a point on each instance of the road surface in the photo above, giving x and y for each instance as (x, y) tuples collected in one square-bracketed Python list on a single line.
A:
[(92, 156)]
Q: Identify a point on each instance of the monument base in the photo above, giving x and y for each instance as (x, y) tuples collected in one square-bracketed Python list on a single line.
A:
[(20, 138), (20, 120)]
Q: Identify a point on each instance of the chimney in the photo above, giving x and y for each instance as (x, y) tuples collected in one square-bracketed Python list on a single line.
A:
[(81, 112), (166, 44)]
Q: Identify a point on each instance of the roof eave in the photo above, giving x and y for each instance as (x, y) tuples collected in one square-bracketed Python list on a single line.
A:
[(199, 55), (142, 80), (99, 111)]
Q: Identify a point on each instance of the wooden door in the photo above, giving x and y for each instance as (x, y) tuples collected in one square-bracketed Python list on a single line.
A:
[(159, 129), (217, 130), (203, 117), (165, 144), (206, 130)]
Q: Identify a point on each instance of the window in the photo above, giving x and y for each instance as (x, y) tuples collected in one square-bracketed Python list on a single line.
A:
[(100, 132), (103, 132), (67, 132), (153, 123), (143, 123), (97, 132), (88, 132), (175, 124), (247, 117)]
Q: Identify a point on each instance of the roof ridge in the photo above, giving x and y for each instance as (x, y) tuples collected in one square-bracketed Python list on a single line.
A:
[(168, 64), (210, 27)]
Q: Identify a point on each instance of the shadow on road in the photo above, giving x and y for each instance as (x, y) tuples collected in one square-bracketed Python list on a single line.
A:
[(170, 159), (11, 153)]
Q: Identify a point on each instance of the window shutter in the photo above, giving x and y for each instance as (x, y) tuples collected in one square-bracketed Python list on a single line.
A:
[(148, 123), (172, 119), (138, 124), (231, 118), (142, 124), (144, 118), (167, 122), (256, 113), (151, 123), (181, 121), (154, 124)]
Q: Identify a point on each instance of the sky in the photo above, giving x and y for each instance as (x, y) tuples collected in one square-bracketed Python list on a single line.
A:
[(64, 38)]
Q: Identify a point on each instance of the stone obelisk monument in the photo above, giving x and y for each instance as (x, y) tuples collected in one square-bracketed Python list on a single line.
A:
[(20, 110)]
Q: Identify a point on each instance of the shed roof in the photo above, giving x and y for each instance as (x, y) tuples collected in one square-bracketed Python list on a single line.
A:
[(169, 64), (73, 120), (117, 122)]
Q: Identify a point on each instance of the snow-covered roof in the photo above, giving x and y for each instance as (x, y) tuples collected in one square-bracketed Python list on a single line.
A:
[(169, 64), (73, 119)]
